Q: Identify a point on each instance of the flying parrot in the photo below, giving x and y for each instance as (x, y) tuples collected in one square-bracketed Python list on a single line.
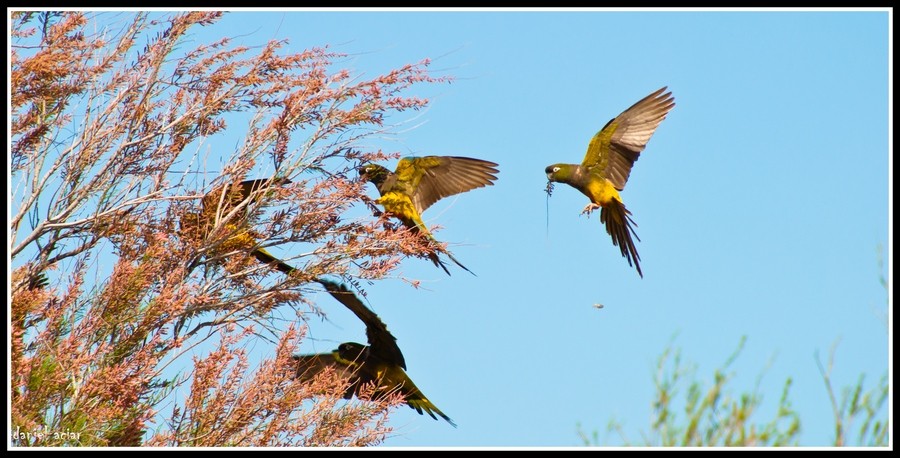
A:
[(217, 207), (419, 182), (381, 362), (606, 166)]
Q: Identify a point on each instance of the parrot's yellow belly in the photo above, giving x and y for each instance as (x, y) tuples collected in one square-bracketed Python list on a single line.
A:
[(400, 205), (602, 192)]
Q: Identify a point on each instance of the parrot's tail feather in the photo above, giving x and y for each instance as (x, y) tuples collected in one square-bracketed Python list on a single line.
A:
[(264, 257), (620, 227), (459, 263), (437, 261), (437, 248), (423, 406)]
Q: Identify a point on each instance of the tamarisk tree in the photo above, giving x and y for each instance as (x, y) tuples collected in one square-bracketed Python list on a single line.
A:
[(125, 331)]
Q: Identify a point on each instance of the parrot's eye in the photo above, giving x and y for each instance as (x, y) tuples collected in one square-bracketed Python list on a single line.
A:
[(555, 169)]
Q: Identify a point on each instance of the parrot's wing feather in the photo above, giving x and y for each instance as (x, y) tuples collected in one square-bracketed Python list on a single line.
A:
[(431, 178), (614, 149), (382, 343), (220, 201), (230, 202), (307, 367)]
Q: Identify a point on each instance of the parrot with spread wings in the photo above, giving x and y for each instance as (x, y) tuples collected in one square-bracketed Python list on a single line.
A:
[(419, 182), (606, 166), (380, 362)]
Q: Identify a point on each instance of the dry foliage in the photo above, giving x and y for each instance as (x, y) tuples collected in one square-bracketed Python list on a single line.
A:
[(141, 334)]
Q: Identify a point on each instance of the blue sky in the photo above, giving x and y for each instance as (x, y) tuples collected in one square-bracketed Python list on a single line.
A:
[(761, 203)]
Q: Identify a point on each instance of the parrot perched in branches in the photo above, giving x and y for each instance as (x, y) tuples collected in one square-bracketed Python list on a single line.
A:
[(218, 204), (419, 182), (606, 166)]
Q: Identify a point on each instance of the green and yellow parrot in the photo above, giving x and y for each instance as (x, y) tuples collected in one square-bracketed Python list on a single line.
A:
[(419, 182), (217, 207), (381, 362), (606, 166)]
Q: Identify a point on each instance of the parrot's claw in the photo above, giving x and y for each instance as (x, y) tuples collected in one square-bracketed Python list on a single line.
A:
[(589, 208)]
